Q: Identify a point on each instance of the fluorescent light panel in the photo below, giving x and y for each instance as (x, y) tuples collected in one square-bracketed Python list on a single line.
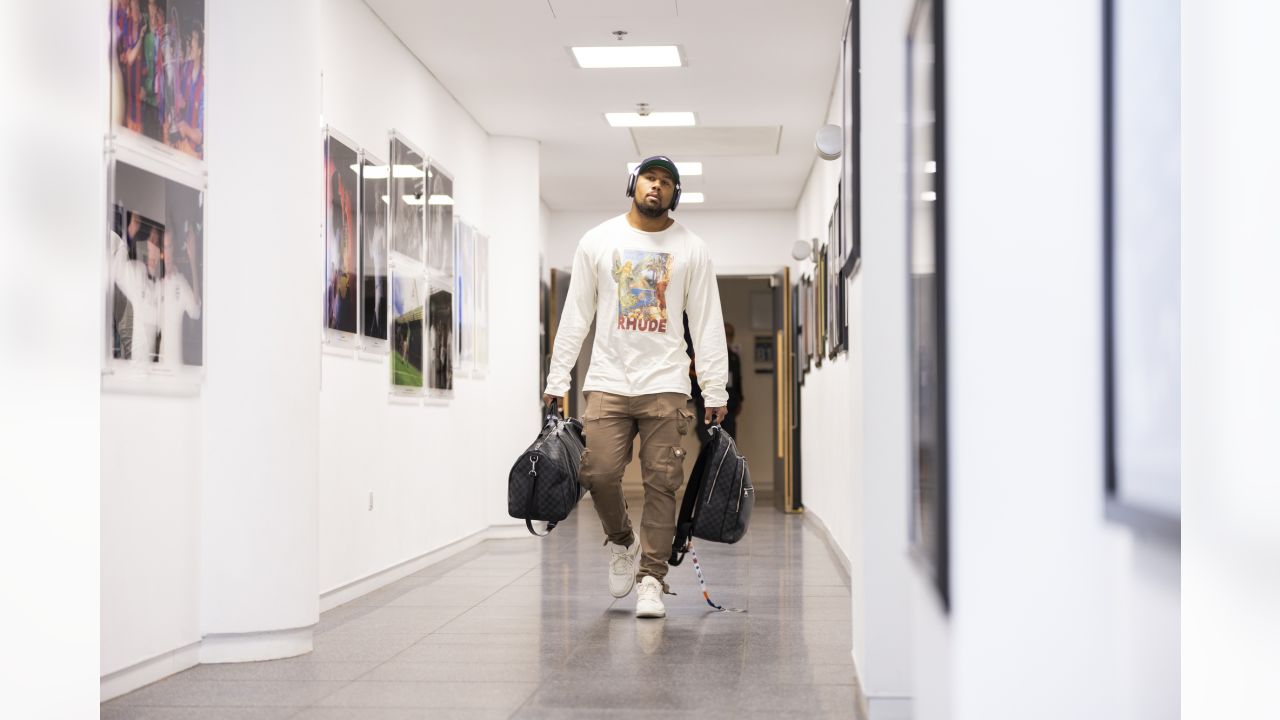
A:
[(439, 200), (686, 168), (653, 119), (628, 56), (691, 197)]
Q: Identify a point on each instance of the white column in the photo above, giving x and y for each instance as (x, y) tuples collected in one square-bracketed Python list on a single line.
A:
[(512, 220), (259, 594)]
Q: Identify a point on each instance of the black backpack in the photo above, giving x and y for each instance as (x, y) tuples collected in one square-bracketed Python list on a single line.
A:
[(543, 484), (718, 501)]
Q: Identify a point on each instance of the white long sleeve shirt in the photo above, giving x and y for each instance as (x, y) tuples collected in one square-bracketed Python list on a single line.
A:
[(637, 285)]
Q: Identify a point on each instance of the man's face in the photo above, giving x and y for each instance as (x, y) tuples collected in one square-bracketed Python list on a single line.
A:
[(155, 254), (654, 189)]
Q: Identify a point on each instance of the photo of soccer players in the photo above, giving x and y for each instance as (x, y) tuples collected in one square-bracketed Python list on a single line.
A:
[(157, 74), (341, 203)]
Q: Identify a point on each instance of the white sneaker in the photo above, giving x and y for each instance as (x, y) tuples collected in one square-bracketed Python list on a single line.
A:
[(649, 598), (622, 567)]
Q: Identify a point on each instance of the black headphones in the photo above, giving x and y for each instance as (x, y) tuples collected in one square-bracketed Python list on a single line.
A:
[(635, 174)]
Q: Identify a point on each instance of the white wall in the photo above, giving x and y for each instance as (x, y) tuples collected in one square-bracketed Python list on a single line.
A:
[(258, 497), (1230, 347), (51, 318), (741, 243), (1056, 612), (853, 425), (208, 501), (426, 493), (231, 512)]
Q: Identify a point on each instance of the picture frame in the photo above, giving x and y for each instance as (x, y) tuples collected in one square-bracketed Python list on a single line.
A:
[(157, 84), (927, 279), (341, 307), (762, 353), (837, 310), (441, 348), (375, 273), (820, 306), (155, 288), (464, 289), (481, 295), (851, 169), (408, 199), (1141, 267), (408, 333), (440, 220)]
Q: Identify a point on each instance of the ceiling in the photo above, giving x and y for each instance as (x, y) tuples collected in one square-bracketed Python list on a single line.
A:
[(749, 64)]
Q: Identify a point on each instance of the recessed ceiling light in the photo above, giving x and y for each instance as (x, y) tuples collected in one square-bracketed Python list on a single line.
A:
[(628, 56), (691, 197), (653, 119), (686, 168), (931, 166), (929, 196)]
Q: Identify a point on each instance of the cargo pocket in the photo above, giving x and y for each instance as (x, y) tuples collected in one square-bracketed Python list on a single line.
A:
[(684, 421), (664, 467)]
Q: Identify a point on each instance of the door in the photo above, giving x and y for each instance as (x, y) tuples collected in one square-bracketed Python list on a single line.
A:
[(786, 495)]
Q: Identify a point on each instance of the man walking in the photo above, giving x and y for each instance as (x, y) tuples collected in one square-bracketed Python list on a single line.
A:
[(636, 275)]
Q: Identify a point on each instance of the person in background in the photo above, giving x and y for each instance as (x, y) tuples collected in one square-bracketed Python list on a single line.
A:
[(734, 387)]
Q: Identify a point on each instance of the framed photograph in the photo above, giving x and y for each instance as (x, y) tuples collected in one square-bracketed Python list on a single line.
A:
[(155, 269), (439, 220), (341, 230), (851, 159), (463, 289), (408, 200), (837, 310), (1142, 265), (408, 333), (762, 353), (374, 272), (440, 342), (809, 319), (926, 245), (820, 307), (157, 72), (482, 303)]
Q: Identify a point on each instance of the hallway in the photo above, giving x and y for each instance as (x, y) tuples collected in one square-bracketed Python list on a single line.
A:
[(526, 629)]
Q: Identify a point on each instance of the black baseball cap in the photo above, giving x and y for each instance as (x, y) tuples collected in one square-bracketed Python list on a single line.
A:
[(660, 161)]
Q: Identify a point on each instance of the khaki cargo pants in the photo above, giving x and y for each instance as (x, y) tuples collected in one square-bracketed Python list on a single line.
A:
[(611, 423)]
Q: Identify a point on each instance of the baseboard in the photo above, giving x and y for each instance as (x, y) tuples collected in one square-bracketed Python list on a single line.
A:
[(148, 671), (332, 598), (254, 647), (833, 547)]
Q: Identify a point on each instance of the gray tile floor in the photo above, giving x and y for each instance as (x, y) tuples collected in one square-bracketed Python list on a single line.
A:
[(527, 629)]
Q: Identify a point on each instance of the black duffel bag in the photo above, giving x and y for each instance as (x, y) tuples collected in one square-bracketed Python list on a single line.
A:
[(718, 501), (543, 484)]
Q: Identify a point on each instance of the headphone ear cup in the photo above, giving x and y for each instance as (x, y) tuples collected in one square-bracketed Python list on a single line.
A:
[(675, 200), (631, 185)]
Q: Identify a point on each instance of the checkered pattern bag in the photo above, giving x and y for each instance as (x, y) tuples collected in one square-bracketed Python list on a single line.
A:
[(543, 483)]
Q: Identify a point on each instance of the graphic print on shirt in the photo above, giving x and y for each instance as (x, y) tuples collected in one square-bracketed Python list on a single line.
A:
[(642, 279)]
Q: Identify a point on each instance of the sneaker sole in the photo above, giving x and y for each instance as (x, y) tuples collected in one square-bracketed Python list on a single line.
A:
[(628, 592), (651, 613)]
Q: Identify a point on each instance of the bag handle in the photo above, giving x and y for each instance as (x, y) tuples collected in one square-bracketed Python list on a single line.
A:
[(533, 487)]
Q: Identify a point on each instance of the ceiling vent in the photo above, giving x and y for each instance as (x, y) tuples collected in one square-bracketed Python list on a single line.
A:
[(574, 9), (706, 141)]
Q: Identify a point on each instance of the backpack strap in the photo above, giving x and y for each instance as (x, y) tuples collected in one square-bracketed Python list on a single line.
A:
[(689, 508)]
